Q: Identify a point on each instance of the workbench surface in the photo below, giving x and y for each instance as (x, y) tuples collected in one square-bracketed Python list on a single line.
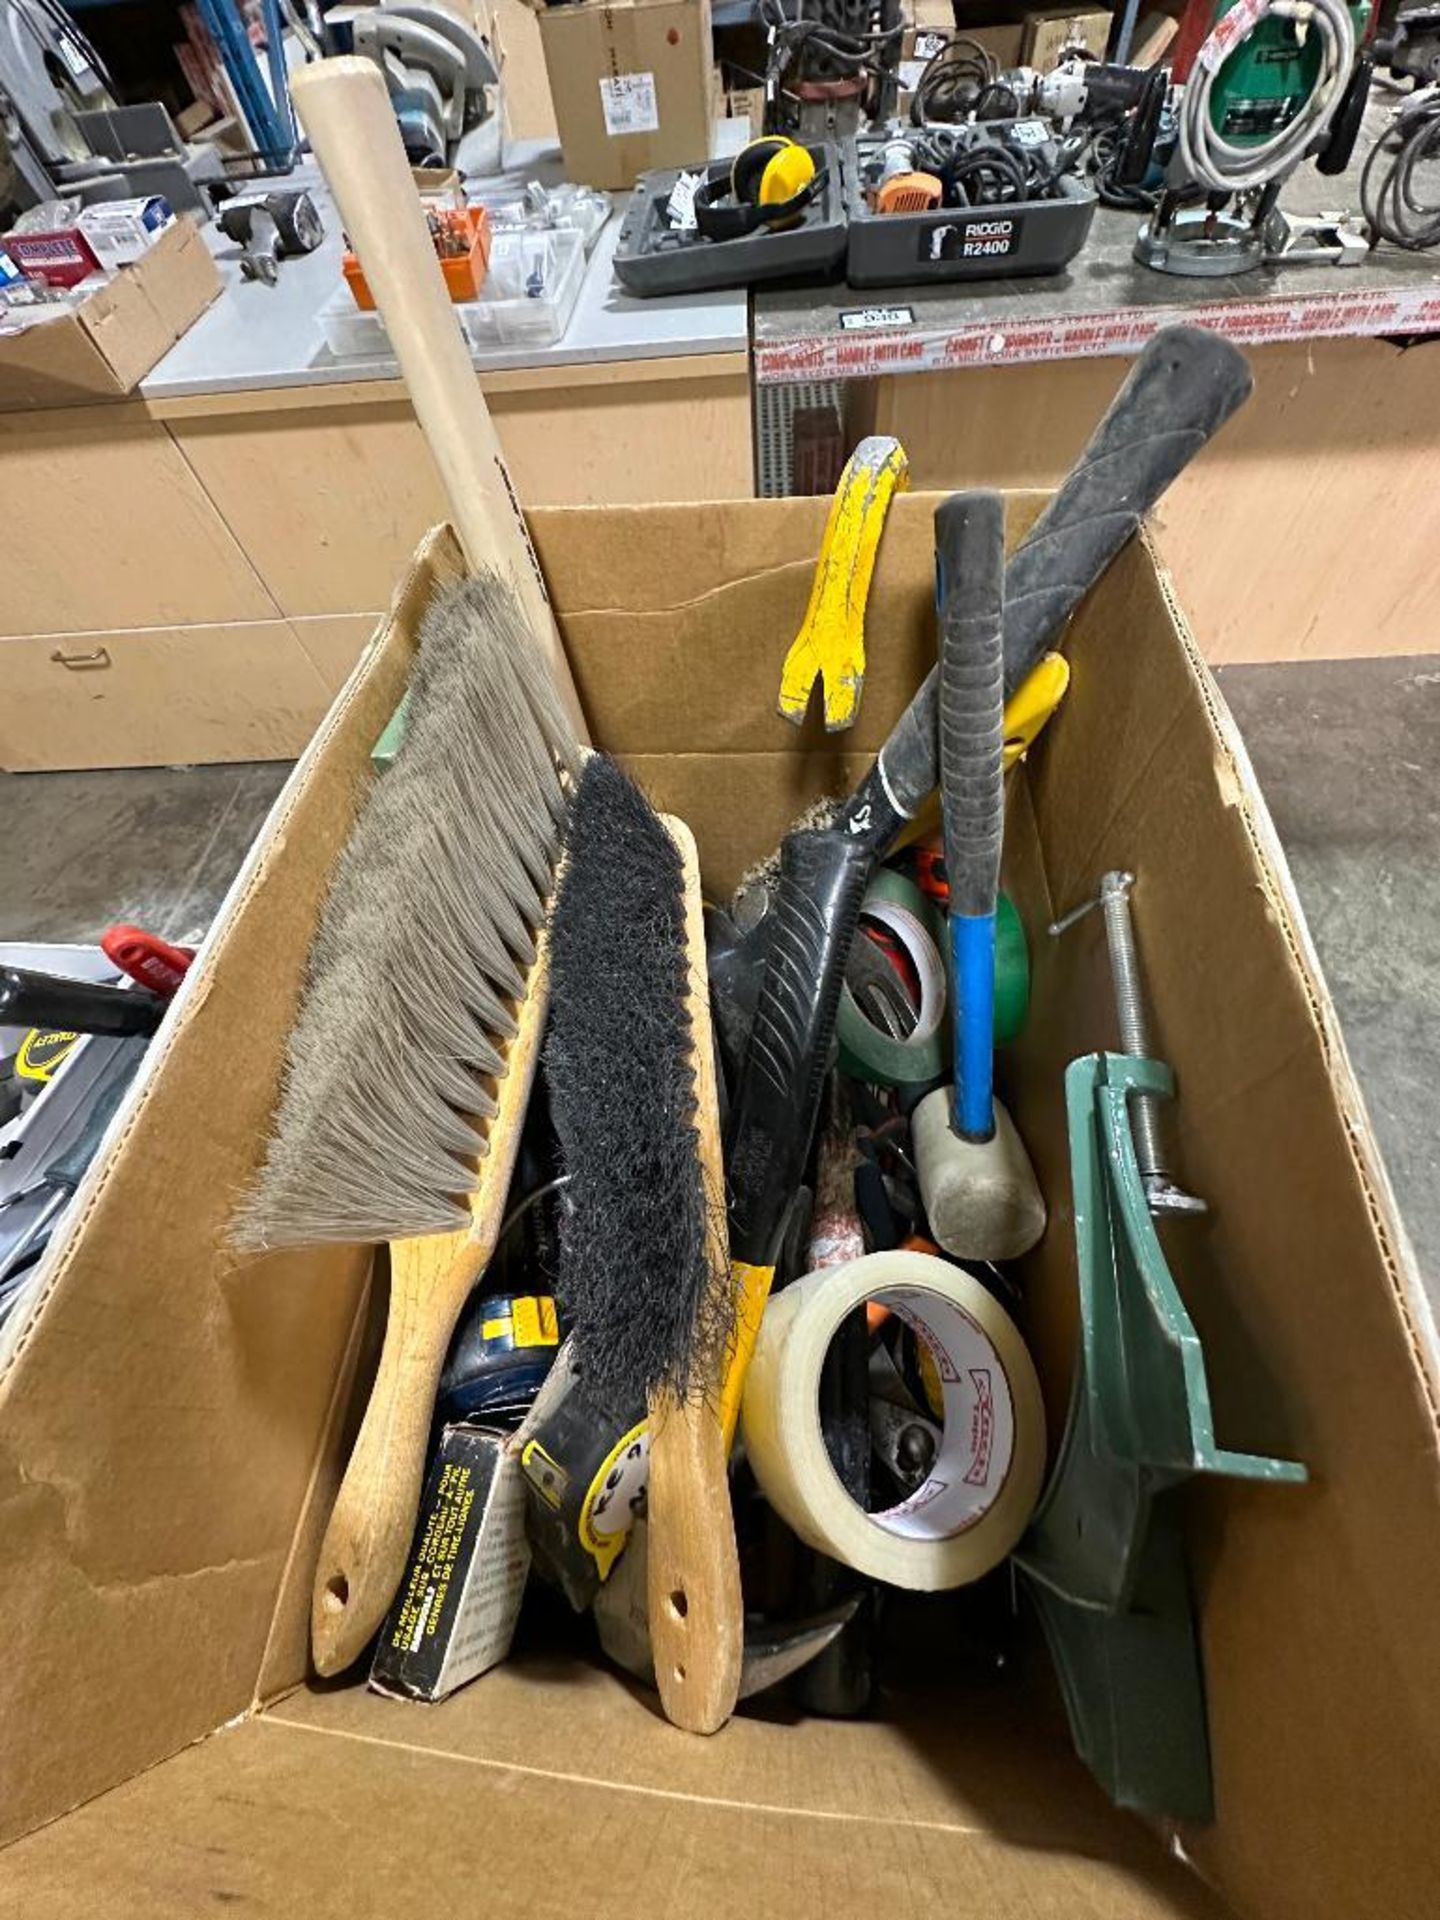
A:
[(255, 336), (1106, 303)]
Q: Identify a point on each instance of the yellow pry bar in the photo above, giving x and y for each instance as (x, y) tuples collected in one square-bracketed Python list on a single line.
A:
[(831, 642), (1032, 703)]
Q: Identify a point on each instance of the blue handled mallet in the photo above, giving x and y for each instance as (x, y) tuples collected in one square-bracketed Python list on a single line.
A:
[(980, 1192)]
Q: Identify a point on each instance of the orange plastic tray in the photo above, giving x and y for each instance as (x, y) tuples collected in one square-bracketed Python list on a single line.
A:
[(464, 272)]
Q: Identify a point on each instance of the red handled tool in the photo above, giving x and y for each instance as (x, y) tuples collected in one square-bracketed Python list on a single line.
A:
[(154, 962)]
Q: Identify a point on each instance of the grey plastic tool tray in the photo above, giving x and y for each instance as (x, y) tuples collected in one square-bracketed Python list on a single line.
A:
[(651, 258), (964, 243)]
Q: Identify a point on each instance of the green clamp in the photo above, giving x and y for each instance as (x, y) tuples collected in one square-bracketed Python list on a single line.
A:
[(1104, 1557)]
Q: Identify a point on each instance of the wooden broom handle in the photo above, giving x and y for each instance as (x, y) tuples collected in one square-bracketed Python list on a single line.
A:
[(345, 109)]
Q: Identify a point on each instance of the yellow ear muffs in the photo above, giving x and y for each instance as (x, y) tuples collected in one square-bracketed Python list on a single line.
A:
[(785, 175), (748, 168), (769, 184)]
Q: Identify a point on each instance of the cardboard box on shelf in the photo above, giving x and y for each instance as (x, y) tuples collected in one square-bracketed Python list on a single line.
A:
[(57, 253), (103, 348), (631, 86), (121, 232), (748, 104), (1049, 31), (525, 86), (173, 1423), (939, 14), (1000, 39)]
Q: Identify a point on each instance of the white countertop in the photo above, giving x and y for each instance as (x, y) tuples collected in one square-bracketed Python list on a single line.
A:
[(256, 336)]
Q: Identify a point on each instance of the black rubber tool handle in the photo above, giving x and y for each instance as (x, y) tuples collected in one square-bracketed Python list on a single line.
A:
[(1182, 389), (1339, 149), (970, 593), (1139, 144), (812, 921), (29, 999)]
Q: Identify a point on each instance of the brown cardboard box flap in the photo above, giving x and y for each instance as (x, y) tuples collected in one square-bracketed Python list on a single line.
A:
[(207, 1382), (170, 1431), (105, 347)]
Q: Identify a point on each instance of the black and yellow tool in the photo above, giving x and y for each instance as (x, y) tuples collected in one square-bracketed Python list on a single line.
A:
[(813, 918), (830, 645), (43, 1052)]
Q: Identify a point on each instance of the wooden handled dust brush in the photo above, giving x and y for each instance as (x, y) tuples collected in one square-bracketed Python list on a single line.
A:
[(411, 1062), (644, 1267)]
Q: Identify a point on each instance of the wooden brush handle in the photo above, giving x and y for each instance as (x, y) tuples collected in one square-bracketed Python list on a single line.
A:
[(697, 1619), (344, 106), (363, 1555), (367, 1542)]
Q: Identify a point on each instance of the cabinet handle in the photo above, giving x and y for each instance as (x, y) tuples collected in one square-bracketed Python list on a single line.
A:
[(82, 662)]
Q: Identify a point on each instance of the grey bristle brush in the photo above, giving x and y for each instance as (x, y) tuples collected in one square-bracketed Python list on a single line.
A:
[(412, 1057), (644, 1265)]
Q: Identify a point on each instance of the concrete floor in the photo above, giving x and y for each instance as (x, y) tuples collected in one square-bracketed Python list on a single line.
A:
[(154, 845), (1348, 754)]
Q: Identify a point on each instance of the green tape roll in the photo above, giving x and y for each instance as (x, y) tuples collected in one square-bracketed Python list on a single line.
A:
[(865, 1052), (884, 1061), (1012, 972)]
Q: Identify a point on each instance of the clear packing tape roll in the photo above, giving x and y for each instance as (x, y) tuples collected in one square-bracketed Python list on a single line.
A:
[(986, 1477)]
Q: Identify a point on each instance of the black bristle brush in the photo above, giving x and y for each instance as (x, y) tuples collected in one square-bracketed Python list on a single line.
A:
[(644, 1267)]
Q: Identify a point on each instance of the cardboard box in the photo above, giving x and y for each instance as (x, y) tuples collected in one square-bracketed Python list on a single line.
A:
[(123, 231), (59, 255), (631, 86), (1048, 32), (525, 87), (455, 1613), (171, 1424), (1000, 39), (103, 349), (937, 14), (748, 104)]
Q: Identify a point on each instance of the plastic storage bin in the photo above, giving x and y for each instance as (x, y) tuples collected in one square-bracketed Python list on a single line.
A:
[(531, 289), (530, 294), (655, 259), (464, 272), (986, 242)]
